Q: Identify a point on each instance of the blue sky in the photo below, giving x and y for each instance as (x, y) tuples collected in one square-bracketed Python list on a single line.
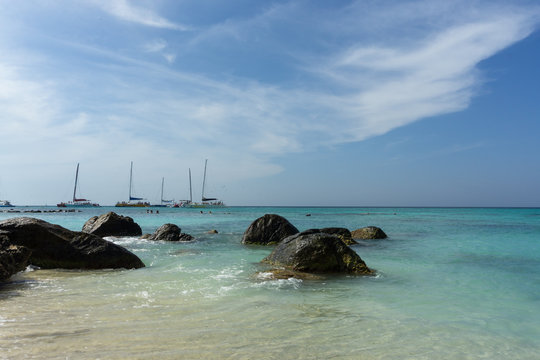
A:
[(357, 103)]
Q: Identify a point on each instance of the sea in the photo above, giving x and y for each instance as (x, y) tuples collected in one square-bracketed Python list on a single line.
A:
[(451, 283)]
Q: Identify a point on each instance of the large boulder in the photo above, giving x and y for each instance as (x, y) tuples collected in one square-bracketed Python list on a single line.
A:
[(317, 253), (368, 233), (53, 246), (13, 258), (112, 224), (268, 229), (170, 232), (343, 233)]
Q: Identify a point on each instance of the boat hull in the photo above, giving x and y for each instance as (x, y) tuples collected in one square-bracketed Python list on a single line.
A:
[(139, 204)]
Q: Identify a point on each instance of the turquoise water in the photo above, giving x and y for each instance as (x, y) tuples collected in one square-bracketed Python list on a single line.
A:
[(451, 284)]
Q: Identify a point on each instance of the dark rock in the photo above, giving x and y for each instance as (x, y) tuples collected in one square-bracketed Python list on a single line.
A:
[(185, 237), (317, 253), (268, 229), (13, 258), (368, 232), (112, 224), (343, 233), (53, 246), (170, 232)]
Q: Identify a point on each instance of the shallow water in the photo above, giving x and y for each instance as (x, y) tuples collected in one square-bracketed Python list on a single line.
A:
[(451, 284)]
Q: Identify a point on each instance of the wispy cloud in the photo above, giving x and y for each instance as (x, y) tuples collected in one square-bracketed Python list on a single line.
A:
[(155, 45), (125, 10)]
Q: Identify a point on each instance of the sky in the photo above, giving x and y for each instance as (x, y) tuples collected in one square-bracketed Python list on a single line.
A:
[(293, 103)]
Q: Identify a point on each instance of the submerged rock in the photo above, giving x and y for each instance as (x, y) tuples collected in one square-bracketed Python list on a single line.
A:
[(53, 246), (268, 229), (13, 258), (112, 224), (317, 253), (368, 233), (169, 232)]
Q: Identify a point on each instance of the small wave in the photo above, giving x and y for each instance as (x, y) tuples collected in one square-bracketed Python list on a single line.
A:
[(279, 284)]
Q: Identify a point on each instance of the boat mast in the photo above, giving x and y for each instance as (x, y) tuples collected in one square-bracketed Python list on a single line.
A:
[(76, 179), (190, 193), (204, 179), (162, 181), (130, 176)]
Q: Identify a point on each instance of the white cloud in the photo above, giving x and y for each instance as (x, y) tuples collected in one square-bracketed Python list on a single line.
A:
[(126, 11), (157, 45), (393, 86)]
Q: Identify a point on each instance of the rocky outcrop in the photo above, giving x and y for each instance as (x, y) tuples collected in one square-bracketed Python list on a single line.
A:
[(343, 233), (317, 253), (268, 229), (169, 232), (368, 233), (53, 246), (112, 224), (13, 258)]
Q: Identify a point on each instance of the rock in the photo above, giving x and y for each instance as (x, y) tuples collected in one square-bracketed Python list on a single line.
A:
[(146, 236), (317, 253), (170, 232), (268, 229), (343, 233), (214, 231), (186, 237), (368, 232), (13, 258), (53, 246), (112, 224)]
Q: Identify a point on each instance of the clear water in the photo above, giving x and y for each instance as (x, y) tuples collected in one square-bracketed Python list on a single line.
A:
[(451, 284)]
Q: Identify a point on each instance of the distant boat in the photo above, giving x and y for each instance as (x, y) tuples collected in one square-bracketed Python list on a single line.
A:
[(205, 201), (164, 203), (185, 203), (5, 203), (77, 202), (133, 201)]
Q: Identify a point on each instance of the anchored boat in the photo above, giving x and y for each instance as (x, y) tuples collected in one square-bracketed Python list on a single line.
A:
[(133, 201), (77, 202)]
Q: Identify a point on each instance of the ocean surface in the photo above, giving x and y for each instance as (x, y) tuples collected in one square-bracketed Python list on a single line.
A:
[(451, 283)]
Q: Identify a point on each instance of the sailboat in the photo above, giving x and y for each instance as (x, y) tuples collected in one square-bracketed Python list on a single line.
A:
[(185, 203), (77, 202), (205, 201), (163, 203), (133, 201), (5, 203)]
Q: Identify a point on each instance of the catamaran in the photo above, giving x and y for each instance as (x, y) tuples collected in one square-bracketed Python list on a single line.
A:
[(185, 203), (133, 201), (205, 201), (5, 203), (164, 203), (77, 202)]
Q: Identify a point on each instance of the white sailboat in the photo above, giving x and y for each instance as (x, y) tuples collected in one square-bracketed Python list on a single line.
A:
[(5, 203), (206, 202), (77, 202), (163, 202), (133, 201)]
